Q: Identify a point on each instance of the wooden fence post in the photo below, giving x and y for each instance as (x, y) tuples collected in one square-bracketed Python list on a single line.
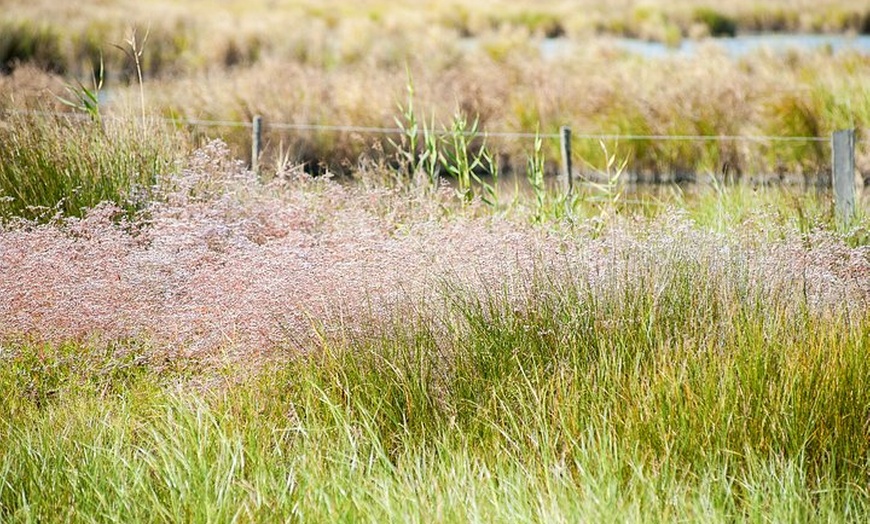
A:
[(256, 143), (565, 139), (843, 173)]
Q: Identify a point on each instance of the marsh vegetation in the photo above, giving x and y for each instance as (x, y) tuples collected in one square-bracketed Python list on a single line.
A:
[(395, 335)]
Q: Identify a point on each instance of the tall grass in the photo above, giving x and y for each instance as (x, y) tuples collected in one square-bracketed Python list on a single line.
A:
[(699, 397), (68, 163), (709, 94), (340, 68), (207, 35), (306, 350), (29, 43)]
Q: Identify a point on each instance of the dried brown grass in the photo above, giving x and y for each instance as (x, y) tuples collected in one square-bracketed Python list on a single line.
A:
[(346, 63), (597, 90)]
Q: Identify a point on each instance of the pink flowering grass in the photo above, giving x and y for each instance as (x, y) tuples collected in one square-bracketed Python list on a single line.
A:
[(221, 266), (303, 349)]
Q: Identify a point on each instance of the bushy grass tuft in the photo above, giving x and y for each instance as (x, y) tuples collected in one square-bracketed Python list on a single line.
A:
[(30, 43), (67, 164), (717, 23)]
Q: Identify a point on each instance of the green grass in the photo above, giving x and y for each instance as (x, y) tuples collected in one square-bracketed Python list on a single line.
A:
[(67, 164), (25, 42), (701, 399), (693, 390), (717, 23)]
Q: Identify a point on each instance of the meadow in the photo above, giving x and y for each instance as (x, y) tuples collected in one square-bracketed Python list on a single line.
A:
[(427, 328), (311, 350)]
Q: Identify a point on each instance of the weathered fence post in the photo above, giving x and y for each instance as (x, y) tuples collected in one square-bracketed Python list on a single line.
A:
[(256, 143), (565, 138), (843, 172)]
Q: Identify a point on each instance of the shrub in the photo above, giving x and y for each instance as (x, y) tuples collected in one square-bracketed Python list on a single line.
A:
[(70, 163), (25, 42), (717, 23)]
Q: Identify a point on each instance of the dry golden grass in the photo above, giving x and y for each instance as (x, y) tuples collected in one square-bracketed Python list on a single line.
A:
[(340, 62), (599, 90), (197, 34), (576, 17)]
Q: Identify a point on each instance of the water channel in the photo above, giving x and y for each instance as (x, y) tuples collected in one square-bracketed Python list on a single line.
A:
[(736, 47)]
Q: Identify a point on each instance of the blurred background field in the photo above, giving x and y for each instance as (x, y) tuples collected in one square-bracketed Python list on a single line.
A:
[(350, 63)]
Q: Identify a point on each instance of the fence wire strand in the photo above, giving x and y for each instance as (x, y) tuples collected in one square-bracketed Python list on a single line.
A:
[(398, 131)]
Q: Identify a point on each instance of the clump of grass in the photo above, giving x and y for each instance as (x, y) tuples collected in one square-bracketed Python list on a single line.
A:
[(775, 19), (535, 178), (464, 154), (718, 24), (66, 164), (52, 47), (30, 43), (547, 25)]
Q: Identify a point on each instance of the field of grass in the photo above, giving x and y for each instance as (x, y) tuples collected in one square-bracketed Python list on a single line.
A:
[(309, 350), (432, 329)]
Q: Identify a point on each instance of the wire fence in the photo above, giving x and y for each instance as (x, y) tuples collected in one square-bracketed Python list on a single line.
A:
[(500, 134), (348, 128), (842, 143)]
